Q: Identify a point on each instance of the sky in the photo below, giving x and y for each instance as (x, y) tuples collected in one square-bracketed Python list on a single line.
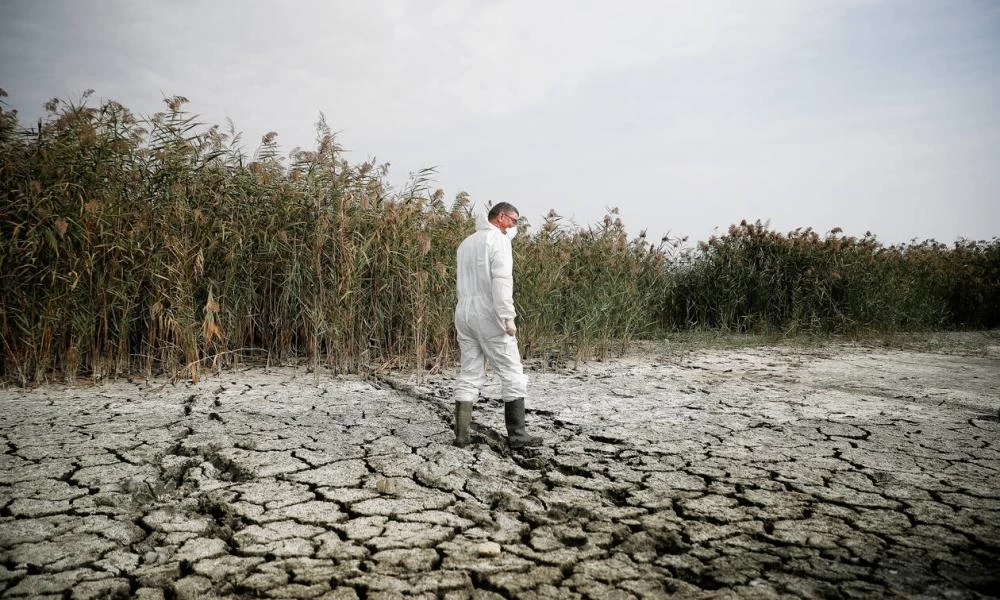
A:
[(686, 116)]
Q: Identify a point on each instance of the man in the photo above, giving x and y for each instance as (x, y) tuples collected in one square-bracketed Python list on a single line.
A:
[(484, 319)]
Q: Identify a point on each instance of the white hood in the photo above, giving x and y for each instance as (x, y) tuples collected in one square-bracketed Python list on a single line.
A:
[(483, 222)]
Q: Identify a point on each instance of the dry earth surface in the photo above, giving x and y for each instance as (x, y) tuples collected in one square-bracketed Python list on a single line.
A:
[(828, 471)]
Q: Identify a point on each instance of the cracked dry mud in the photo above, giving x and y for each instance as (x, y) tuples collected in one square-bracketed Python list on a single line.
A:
[(836, 472)]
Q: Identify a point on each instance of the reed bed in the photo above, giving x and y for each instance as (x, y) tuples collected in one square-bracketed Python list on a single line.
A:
[(754, 279), (154, 245)]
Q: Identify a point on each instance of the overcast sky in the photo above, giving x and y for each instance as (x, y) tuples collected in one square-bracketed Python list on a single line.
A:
[(879, 115)]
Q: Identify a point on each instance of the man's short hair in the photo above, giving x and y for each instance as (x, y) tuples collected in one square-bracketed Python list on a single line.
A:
[(502, 207)]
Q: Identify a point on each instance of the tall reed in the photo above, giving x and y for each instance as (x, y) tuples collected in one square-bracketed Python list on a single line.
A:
[(147, 245), (587, 290), (757, 279), (150, 244)]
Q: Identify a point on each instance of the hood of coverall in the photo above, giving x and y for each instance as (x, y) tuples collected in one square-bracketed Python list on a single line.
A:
[(483, 221)]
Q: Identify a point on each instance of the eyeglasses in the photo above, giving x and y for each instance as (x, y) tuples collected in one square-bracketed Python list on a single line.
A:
[(512, 218)]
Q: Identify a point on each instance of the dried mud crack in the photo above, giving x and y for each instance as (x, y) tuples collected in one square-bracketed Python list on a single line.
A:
[(764, 473)]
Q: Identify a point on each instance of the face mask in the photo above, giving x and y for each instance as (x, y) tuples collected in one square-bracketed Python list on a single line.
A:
[(511, 232)]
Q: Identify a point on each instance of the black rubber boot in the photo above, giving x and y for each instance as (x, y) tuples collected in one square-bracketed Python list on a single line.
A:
[(513, 413), (463, 422)]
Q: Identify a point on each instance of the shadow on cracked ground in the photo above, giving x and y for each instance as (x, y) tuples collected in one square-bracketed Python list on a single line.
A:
[(834, 472)]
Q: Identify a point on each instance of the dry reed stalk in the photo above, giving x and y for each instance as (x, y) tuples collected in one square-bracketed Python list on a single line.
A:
[(157, 244)]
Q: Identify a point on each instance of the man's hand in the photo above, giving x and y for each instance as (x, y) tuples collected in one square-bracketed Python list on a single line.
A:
[(510, 327)]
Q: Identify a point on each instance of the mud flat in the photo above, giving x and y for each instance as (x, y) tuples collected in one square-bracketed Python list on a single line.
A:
[(829, 472)]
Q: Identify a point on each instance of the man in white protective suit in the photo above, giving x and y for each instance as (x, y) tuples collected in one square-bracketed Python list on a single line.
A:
[(484, 319)]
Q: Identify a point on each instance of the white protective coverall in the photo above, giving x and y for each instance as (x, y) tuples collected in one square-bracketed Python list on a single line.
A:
[(485, 301)]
